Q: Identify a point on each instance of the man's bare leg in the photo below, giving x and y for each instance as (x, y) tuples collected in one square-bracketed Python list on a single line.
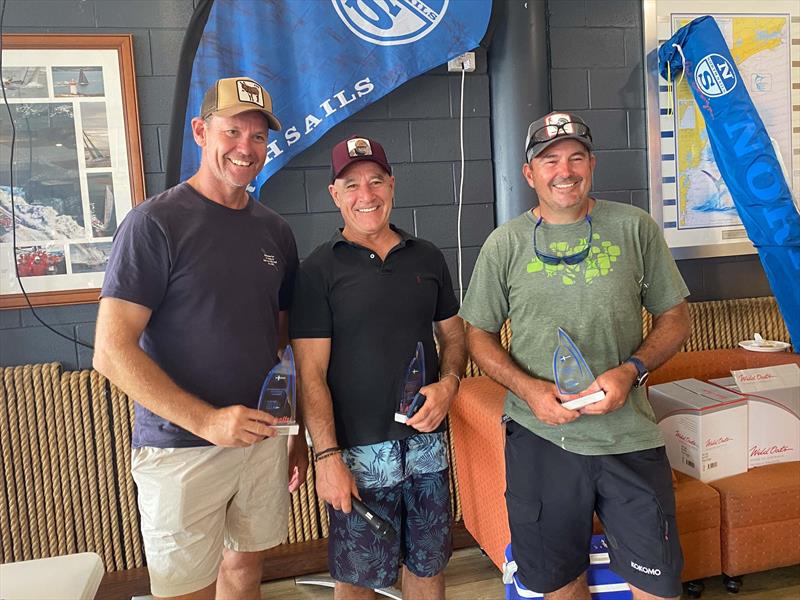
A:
[(577, 589), (346, 591), (240, 575), (423, 588)]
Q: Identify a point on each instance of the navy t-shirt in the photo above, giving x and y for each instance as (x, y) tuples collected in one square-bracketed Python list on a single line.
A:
[(215, 279), (375, 312)]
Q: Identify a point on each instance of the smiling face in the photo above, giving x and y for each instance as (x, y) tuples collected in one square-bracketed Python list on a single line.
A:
[(234, 151), (363, 192), (562, 178)]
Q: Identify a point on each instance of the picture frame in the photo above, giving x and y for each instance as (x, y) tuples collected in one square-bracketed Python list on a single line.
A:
[(688, 197), (77, 163)]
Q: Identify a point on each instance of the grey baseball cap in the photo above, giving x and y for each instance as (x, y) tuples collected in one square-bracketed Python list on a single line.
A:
[(554, 127)]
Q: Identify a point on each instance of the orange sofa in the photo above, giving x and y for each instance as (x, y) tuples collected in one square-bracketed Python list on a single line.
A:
[(709, 528)]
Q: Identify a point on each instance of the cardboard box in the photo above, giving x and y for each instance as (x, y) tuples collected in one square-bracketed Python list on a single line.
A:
[(604, 584), (705, 428), (773, 423)]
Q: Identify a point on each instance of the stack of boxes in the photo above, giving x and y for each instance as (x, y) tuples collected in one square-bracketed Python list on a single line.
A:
[(722, 428)]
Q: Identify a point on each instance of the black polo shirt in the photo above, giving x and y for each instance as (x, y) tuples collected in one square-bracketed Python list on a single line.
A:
[(375, 313)]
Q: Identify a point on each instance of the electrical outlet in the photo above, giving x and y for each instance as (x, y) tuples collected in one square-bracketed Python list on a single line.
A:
[(464, 62)]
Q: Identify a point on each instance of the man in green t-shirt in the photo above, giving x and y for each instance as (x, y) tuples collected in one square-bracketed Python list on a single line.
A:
[(588, 266)]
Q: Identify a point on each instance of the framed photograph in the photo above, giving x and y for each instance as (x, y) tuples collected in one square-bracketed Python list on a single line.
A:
[(69, 142), (688, 197)]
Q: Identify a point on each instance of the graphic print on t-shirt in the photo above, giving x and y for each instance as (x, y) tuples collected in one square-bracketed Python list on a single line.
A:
[(602, 255)]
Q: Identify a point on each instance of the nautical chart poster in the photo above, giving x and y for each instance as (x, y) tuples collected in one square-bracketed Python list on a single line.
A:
[(688, 196), (73, 176)]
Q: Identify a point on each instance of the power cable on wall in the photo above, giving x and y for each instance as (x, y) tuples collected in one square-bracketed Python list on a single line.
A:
[(11, 191)]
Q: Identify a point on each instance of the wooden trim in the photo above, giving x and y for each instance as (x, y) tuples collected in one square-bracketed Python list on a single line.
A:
[(281, 562)]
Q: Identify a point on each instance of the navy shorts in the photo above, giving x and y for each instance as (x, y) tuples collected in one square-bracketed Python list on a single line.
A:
[(551, 495), (407, 483)]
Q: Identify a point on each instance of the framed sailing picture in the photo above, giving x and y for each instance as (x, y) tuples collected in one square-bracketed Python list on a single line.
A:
[(70, 163)]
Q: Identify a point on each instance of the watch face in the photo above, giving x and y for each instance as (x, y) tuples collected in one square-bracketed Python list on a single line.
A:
[(642, 379)]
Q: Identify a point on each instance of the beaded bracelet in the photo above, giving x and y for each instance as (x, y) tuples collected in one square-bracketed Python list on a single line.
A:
[(326, 453)]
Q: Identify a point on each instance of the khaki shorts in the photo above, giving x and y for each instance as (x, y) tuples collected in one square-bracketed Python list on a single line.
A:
[(194, 500)]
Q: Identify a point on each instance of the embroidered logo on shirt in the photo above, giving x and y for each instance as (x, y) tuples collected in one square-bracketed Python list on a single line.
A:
[(269, 259)]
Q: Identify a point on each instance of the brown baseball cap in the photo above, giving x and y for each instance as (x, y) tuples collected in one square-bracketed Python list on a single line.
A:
[(354, 149), (234, 95)]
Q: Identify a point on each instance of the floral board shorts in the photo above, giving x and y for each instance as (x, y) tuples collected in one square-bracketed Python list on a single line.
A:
[(405, 482)]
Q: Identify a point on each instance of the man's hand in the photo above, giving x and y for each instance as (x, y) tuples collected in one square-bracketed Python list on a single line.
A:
[(543, 400), (236, 426), (335, 483), (298, 460), (616, 383), (438, 397)]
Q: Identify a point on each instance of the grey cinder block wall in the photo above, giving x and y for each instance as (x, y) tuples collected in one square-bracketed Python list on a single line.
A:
[(418, 125)]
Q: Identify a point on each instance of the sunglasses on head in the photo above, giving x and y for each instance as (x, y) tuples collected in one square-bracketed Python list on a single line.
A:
[(570, 259), (549, 132)]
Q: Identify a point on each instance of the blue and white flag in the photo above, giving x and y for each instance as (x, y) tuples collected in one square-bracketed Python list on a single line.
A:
[(745, 156), (320, 60)]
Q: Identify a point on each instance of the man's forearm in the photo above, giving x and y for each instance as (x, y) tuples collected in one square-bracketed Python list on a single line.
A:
[(670, 331), (135, 373), (317, 412)]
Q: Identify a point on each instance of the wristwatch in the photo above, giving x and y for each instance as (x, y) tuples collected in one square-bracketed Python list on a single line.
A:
[(641, 371)]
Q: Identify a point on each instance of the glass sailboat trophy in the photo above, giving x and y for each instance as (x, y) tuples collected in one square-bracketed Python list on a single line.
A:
[(572, 374), (410, 399), (278, 394)]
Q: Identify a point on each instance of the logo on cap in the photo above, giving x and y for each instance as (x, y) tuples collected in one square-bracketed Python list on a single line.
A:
[(389, 22), (358, 147), (249, 91), (560, 119)]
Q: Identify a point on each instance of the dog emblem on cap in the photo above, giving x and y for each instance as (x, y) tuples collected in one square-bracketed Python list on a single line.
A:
[(358, 147), (249, 91), (560, 119)]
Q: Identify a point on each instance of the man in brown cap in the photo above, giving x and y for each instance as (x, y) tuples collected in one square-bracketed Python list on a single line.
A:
[(191, 320), (365, 303)]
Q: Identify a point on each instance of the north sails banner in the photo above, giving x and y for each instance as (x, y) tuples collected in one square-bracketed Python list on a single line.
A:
[(745, 156), (320, 60)]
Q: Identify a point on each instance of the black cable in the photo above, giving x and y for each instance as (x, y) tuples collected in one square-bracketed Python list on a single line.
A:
[(11, 188)]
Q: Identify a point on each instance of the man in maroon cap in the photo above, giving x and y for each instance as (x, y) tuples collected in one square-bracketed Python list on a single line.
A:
[(192, 318), (363, 302)]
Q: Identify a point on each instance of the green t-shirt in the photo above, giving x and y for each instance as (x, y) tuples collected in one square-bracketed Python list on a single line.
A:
[(598, 302)]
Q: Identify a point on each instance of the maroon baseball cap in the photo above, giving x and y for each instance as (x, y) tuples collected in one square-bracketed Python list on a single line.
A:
[(354, 149)]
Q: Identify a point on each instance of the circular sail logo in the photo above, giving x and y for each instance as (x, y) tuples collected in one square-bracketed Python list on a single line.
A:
[(391, 22), (715, 75)]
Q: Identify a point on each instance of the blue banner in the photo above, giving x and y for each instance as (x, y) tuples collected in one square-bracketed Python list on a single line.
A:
[(320, 60), (745, 156)]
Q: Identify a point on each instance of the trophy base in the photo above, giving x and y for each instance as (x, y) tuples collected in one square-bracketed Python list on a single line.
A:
[(400, 417), (584, 400), (289, 429)]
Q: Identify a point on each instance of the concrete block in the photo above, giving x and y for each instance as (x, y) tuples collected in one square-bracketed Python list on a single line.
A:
[(423, 97), (61, 315), (144, 13), (616, 88), (614, 13), (478, 181), (609, 128), (165, 45), (620, 170), (584, 47), (438, 140), (285, 192), (570, 89), (156, 95), (31, 345), (476, 95), (566, 13), (438, 224), (44, 13), (423, 184), (151, 150)]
